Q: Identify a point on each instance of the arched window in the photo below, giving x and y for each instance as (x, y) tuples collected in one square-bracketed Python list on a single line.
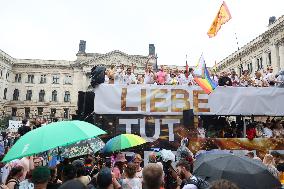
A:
[(16, 94), (41, 95), (29, 95), (67, 96), (5, 94), (54, 96)]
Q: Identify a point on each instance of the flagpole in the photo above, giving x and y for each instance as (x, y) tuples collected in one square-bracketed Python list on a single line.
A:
[(186, 67), (237, 41)]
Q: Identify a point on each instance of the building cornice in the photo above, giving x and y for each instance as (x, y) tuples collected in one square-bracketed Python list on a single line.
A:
[(47, 66), (102, 57), (255, 44), (6, 58)]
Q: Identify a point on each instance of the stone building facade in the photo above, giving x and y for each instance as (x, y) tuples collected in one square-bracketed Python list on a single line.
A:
[(49, 88), (264, 51)]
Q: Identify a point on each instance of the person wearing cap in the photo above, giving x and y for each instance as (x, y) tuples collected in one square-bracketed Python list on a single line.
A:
[(120, 163), (137, 160), (106, 179), (81, 173), (40, 177)]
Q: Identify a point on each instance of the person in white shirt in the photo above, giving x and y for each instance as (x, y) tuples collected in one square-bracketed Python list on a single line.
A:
[(150, 76), (129, 77), (259, 81), (234, 78), (267, 132), (270, 77), (182, 80), (190, 78), (119, 75)]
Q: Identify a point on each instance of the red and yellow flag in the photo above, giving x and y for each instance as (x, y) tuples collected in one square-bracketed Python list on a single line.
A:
[(221, 18)]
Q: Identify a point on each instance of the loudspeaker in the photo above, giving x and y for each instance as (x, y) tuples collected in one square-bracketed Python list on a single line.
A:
[(188, 118), (80, 102), (97, 75), (85, 104)]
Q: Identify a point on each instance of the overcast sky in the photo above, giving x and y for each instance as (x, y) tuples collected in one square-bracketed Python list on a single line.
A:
[(51, 29)]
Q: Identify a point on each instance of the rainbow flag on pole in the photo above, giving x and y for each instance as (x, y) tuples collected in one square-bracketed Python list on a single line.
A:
[(202, 77)]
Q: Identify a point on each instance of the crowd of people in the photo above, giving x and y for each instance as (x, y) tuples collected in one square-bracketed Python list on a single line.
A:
[(223, 127), (121, 172), (118, 172), (166, 76)]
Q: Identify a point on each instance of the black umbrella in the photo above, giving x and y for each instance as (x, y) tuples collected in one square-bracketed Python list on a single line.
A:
[(243, 171)]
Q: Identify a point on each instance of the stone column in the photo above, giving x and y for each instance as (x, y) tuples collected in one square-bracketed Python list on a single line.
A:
[(281, 56), (254, 65), (264, 60), (275, 63)]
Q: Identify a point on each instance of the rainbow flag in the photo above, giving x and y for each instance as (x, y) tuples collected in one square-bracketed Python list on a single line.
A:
[(204, 80)]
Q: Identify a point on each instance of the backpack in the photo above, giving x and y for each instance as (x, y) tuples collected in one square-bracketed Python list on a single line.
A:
[(17, 183), (198, 182)]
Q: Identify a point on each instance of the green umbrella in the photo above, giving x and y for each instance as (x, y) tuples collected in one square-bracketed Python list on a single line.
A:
[(51, 136), (122, 142)]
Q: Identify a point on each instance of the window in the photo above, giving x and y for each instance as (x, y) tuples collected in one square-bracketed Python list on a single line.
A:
[(55, 79), (250, 68), (260, 63), (67, 96), (42, 79), (68, 79), (241, 69), (269, 58), (66, 113), (41, 96), (7, 75), (54, 96), (16, 94), (14, 112), (27, 112), (30, 78), (29, 95), (18, 78), (40, 110), (52, 112), (1, 73), (5, 94)]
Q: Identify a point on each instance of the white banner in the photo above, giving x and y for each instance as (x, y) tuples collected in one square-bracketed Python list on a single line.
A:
[(172, 100), (14, 125)]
